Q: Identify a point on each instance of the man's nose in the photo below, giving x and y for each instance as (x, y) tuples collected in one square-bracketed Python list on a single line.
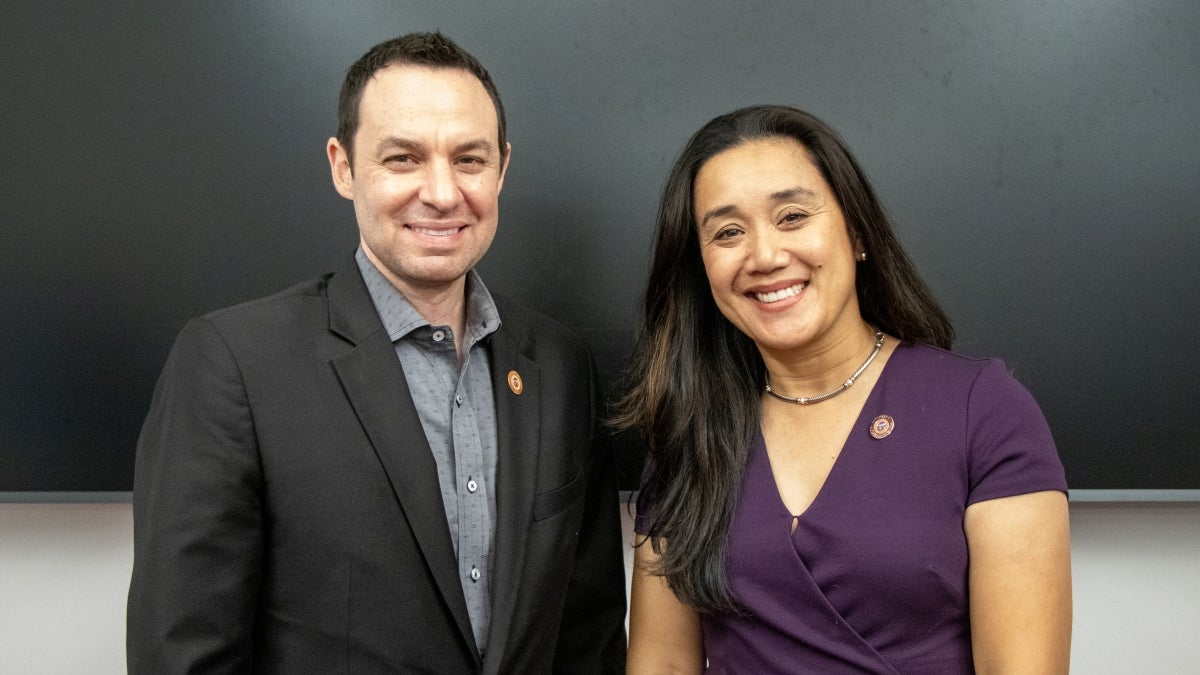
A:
[(440, 189)]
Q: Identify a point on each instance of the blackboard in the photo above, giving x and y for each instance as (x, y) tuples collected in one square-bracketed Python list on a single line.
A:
[(1042, 161)]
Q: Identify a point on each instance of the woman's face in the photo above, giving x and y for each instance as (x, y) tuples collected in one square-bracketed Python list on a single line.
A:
[(779, 259)]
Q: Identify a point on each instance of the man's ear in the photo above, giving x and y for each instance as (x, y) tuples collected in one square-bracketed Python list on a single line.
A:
[(504, 166), (339, 168)]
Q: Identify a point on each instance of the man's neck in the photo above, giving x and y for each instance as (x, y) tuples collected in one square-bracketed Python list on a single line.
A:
[(441, 307), (441, 304)]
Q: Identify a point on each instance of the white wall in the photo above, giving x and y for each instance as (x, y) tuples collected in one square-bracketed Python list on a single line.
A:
[(1136, 574), (64, 570)]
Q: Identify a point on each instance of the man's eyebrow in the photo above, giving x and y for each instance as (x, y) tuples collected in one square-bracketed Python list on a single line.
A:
[(402, 143), (397, 143), (473, 145)]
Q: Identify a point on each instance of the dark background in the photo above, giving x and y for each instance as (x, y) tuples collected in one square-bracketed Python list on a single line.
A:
[(161, 160)]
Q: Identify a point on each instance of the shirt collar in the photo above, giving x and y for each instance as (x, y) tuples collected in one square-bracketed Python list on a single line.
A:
[(400, 318)]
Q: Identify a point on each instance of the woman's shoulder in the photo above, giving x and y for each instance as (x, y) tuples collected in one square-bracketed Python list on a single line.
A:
[(985, 385), (941, 374), (1011, 449), (929, 362)]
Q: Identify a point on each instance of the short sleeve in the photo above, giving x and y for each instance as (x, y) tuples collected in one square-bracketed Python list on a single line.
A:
[(1011, 450)]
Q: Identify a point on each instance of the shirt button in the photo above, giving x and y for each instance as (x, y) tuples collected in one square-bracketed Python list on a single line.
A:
[(458, 400), (439, 335), (472, 486), (475, 574)]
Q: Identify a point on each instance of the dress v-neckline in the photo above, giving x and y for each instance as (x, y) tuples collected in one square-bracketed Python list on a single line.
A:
[(795, 518)]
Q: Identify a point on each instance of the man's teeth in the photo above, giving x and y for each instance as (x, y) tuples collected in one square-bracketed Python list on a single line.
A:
[(776, 296), (435, 233)]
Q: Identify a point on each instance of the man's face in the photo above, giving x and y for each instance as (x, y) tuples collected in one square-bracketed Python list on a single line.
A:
[(426, 175)]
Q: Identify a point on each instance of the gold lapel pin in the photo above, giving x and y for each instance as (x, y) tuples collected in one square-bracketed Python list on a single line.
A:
[(881, 427), (515, 383)]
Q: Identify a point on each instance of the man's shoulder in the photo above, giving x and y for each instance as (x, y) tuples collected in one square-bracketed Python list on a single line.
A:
[(292, 316), (538, 332), (271, 308), (532, 323)]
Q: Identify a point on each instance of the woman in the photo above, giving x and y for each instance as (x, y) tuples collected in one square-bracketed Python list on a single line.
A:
[(820, 470)]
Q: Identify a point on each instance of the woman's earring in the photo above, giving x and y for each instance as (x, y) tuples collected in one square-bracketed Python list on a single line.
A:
[(862, 257)]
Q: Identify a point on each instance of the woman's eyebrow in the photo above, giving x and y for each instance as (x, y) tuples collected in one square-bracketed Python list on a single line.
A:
[(793, 193)]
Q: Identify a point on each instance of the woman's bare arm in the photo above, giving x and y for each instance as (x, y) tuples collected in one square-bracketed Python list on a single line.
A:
[(664, 633), (1020, 584)]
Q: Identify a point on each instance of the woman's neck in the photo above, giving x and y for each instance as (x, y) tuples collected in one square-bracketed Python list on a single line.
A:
[(820, 367)]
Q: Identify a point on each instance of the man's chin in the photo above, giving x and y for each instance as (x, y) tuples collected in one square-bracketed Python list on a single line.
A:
[(434, 279)]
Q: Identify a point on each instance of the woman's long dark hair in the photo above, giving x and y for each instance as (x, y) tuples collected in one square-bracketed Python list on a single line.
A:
[(695, 381)]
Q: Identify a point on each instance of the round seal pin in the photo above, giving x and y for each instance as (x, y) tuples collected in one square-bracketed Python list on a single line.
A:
[(515, 383), (882, 426)]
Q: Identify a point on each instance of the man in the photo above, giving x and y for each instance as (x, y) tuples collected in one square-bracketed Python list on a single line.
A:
[(384, 469)]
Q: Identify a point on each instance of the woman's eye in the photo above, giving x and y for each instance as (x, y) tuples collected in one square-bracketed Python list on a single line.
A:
[(792, 217), (727, 233)]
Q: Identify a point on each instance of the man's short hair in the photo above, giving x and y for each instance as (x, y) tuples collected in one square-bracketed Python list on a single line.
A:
[(422, 49)]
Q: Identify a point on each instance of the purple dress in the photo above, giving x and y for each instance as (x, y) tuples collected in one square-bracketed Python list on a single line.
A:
[(874, 578)]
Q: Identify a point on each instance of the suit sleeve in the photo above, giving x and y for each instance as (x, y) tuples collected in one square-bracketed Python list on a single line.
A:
[(592, 636), (197, 516)]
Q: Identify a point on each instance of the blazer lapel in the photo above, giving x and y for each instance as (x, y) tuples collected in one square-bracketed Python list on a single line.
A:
[(374, 382), (518, 427)]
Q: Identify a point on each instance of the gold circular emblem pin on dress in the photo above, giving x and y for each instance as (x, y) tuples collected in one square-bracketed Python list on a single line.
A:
[(882, 426), (515, 383)]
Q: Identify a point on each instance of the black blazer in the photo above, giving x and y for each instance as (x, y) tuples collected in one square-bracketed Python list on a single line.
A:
[(287, 515)]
